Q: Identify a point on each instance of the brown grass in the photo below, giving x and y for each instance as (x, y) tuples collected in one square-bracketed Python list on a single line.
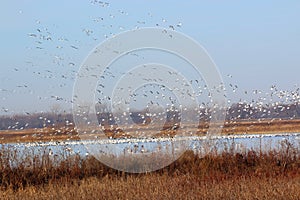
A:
[(229, 175), (230, 128), (165, 187)]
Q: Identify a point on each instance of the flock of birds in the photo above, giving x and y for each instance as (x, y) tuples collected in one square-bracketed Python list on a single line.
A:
[(63, 65), (61, 54)]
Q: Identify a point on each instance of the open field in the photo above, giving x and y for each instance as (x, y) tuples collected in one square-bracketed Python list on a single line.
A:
[(229, 175), (230, 128)]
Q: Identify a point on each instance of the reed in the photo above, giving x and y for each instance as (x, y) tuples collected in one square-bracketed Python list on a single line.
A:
[(247, 175)]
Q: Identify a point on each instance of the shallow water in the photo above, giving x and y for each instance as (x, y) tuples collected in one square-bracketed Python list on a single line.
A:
[(23, 153), (201, 145)]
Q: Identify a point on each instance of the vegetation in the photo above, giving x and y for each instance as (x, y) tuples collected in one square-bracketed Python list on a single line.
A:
[(229, 175)]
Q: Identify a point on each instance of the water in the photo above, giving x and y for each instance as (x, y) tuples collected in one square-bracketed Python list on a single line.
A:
[(200, 145)]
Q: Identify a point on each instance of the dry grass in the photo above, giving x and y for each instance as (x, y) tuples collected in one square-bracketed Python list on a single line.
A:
[(262, 126), (230, 127), (230, 175), (165, 187)]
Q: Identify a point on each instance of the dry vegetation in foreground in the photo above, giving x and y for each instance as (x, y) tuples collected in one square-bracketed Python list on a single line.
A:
[(229, 175)]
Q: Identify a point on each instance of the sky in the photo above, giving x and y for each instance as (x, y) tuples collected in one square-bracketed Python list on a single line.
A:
[(255, 44)]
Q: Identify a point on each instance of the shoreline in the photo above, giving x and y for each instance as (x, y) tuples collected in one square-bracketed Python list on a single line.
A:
[(249, 127)]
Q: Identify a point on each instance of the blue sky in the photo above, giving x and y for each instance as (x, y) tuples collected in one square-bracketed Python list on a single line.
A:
[(257, 42)]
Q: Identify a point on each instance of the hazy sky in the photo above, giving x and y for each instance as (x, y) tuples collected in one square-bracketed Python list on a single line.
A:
[(43, 43)]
